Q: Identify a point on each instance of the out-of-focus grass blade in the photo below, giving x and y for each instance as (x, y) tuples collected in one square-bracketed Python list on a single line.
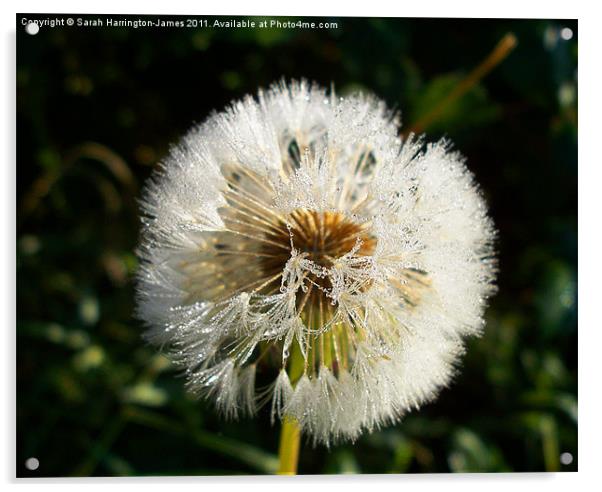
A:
[(471, 453), (118, 466), (342, 461), (245, 453), (549, 441)]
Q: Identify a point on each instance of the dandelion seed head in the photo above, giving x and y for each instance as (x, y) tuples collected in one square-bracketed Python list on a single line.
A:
[(296, 239)]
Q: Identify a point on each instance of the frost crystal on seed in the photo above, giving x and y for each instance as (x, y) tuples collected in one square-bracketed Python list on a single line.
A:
[(294, 239)]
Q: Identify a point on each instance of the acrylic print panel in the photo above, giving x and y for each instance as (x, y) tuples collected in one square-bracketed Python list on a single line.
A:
[(295, 245)]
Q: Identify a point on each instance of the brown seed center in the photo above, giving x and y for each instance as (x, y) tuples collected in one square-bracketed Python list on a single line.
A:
[(323, 237)]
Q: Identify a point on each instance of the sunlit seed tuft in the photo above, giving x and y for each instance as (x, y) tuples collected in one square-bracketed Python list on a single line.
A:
[(297, 253)]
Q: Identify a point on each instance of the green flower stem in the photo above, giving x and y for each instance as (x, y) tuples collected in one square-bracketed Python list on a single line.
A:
[(288, 452), (290, 433)]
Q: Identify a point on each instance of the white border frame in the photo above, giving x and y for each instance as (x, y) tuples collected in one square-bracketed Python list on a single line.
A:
[(590, 337)]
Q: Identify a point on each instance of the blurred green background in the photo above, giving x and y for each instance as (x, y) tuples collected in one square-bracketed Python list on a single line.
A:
[(98, 107)]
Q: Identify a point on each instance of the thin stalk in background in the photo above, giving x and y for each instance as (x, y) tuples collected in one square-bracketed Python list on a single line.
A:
[(499, 54)]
